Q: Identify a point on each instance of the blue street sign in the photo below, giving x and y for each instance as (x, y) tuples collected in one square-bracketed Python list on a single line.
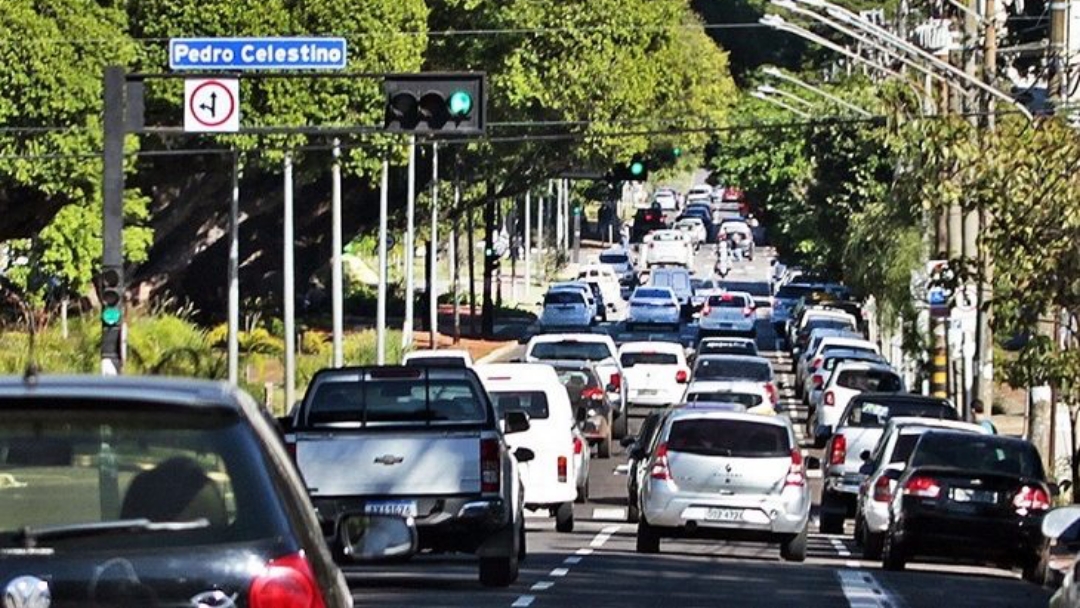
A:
[(257, 53), (936, 296)]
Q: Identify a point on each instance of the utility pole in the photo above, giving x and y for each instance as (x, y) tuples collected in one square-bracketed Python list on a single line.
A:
[(982, 368), (455, 267), (112, 228), (410, 244), (380, 311), (528, 247), (470, 228), (1059, 14), (234, 273), (337, 283), (288, 292), (433, 274)]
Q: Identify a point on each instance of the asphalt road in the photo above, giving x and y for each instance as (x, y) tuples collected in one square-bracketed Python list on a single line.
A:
[(597, 565)]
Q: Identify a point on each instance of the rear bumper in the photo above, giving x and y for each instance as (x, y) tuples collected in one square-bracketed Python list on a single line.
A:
[(660, 398), (1012, 540), (688, 512)]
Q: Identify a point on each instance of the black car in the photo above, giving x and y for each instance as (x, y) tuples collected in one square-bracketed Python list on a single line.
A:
[(130, 491), (977, 498), (645, 221)]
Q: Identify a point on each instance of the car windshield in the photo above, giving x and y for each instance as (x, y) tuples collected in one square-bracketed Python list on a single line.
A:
[(563, 298), (81, 462), (869, 380), (978, 453), (747, 399), (571, 350), (737, 438), (613, 258), (646, 358), (728, 300), (652, 293), (533, 403), (397, 401), (875, 413), (739, 369)]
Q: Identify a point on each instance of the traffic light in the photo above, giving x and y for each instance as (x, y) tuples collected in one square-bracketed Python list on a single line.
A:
[(676, 151), (634, 171), (112, 296), (435, 103)]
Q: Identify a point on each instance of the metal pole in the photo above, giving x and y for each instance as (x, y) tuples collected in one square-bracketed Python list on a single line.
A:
[(234, 274), (559, 224), (336, 279), (771, 71), (410, 244), (540, 225), (380, 311), (455, 283), (112, 227), (528, 246), (433, 275), (288, 291)]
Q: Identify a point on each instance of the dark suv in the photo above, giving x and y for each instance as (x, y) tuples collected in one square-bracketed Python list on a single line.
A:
[(645, 221), (134, 491)]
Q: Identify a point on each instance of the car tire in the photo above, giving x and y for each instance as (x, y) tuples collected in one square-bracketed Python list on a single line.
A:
[(621, 425), (603, 449), (873, 544), (523, 550), (793, 549), (633, 514), (893, 555), (564, 517), (648, 539), (583, 493), (830, 522), (1035, 570), (498, 571)]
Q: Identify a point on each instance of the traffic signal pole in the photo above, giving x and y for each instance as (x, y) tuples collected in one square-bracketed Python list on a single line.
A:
[(410, 244), (112, 356), (433, 275)]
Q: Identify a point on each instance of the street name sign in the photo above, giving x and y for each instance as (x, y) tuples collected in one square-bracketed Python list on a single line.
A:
[(257, 53), (211, 105)]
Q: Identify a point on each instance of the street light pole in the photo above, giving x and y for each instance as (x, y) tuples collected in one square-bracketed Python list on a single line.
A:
[(771, 90), (776, 73), (777, 102)]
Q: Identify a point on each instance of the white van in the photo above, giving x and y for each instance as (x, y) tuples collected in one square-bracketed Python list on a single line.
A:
[(551, 479)]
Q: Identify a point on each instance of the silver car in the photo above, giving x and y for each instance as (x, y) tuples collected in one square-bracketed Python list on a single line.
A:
[(729, 313), (653, 306), (718, 474), (565, 308)]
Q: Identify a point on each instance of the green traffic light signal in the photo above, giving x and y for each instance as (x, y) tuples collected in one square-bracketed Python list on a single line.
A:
[(637, 168), (460, 103), (677, 151), (110, 315)]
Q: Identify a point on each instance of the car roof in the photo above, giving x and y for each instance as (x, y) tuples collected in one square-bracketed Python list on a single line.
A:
[(178, 391), (521, 374), (734, 357), (657, 287), (572, 337), (864, 365), (712, 405), (846, 341), (648, 346), (445, 352), (910, 423), (684, 413), (901, 398), (964, 435), (728, 340)]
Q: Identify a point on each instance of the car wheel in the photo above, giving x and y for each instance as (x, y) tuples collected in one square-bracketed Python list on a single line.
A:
[(1035, 569), (648, 539), (633, 514), (873, 544), (603, 449), (564, 517), (498, 571), (522, 547), (793, 548), (832, 516), (620, 425), (893, 556), (583, 492)]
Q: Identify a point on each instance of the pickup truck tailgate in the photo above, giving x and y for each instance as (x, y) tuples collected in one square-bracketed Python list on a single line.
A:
[(389, 463)]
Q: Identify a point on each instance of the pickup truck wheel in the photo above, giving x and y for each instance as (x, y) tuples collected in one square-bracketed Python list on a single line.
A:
[(583, 492), (498, 571), (619, 429), (793, 549), (564, 517), (648, 539)]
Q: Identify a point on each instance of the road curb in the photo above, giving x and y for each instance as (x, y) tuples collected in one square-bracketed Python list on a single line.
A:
[(497, 353)]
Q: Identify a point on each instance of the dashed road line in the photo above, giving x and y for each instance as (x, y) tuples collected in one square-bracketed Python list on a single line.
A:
[(559, 572), (584, 551), (862, 590), (523, 602), (573, 560), (542, 586), (601, 537), (610, 514), (841, 550)]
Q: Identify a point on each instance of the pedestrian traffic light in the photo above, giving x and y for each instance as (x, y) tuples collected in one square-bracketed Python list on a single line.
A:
[(634, 171), (112, 295), (435, 103)]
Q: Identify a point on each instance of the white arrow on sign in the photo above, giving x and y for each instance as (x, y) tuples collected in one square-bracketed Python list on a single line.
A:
[(211, 105)]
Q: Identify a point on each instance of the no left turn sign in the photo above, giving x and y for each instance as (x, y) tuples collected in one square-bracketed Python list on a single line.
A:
[(211, 105)]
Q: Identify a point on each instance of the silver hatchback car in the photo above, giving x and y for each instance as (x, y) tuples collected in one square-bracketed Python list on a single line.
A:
[(725, 475)]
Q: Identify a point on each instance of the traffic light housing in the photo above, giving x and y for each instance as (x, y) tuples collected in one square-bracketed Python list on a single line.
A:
[(111, 282), (435, 103), (637, 170)]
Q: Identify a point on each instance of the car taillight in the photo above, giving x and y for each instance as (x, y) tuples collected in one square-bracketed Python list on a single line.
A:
[(660, 468), (615, 381), (681, 376), (922, 486), (1031, 499), (593, 393), (774, 396), (829, 398), (287, 582), (579, 446), (882, 489), (795, 476), (490, 465), (562, 469), (817, 380), (838, 450)]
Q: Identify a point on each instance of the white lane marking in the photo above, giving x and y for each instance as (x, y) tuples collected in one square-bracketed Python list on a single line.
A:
[(852, 563), (603, 536), (542, 586), (559, 572), (610, 530), (841, 550), (862, 590), (584, 551), (523, 602), (616, 514), (572, 560)]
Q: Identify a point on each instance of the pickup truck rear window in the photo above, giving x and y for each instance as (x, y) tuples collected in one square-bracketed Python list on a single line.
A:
[(410, 401), (737, 438), (533, 403), (575, 351), (632, 359), (874, 414), (739, 369)]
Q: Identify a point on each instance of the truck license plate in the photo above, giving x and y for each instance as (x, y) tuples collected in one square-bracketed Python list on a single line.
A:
[(724, 515), (401, 508)]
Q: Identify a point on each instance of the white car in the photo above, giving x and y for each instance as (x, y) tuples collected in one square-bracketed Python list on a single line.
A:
[(550, 479), (694, 227), (700, 191), (737, 368), (584, 289), (607, 279), (668, 248), (666, 200), (819, 318), (703, 288), (656, 372), (565, 308), (598, 349), (849, 378), (618, 259), (449, 357), (653, 306), (808, 362), (743, 392)]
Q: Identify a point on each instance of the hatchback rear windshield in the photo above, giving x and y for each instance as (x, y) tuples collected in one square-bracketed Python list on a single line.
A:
[(728, 300), (748, 369), (868, 380), (613, 258), (874, 414), (576, 351), (642, 358), (83, 462), (533, 403), (831, 362), (652, 293), (408, 401), (563, 298), (834, 347), (977, 452), (736, 438), (747, 399)]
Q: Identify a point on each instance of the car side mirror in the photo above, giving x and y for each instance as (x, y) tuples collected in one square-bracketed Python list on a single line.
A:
[(524, 454), (515, 421), (627, 441), (378, 537), (864, 455), (637, 453)]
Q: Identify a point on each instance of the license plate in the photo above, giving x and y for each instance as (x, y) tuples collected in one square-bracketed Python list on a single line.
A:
[(724, 515), (968, 495), (647, 391), (400, 508)]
